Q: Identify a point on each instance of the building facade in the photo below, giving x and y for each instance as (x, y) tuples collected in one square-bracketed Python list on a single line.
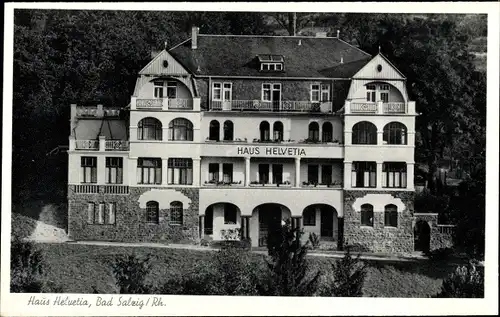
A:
[(226, 136)]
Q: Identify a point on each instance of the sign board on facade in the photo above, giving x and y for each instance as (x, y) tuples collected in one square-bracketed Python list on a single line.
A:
[(271, 151)]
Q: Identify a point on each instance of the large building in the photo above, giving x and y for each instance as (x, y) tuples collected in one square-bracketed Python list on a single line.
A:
[(227, 135)]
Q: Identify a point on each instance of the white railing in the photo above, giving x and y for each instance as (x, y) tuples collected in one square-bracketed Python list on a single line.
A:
[(280, 106), (97, 112), (365, 107), (116, 189), (87, 144), (149, 103), (117, 145), (394, 107), (446, 229), (86, 189), (180, 104)]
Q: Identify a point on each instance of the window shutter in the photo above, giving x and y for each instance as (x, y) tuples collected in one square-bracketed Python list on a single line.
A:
[(94, 174), (101, 214), (373, 179), (119, 176), (366, 179), (111, 214), (90, 213), (353, 179), (158, 175), (403, 179)]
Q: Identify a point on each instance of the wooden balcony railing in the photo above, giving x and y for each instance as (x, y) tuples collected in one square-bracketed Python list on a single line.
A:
[(87, 145), (117, 145), (278, 106), (104, 189), (365, 107), (149, 103), (116, 189), (394, 107), (378, 107), (180, 104), (97, 112)]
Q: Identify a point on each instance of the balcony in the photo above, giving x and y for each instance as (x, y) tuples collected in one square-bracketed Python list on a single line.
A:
[(98, 145), (165, 104), (379, 107), (102, 189), (267, 106), (95, 112)]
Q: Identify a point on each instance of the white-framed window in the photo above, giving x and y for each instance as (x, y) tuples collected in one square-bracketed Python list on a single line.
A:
[(114, 170), (213, 172), (367, 215), (172, 89), (364, 174), (152, 212), (391, 215), (315, 92), (325, 92), (271, 66), (266, 92), (90, 213), (371, 91), (100, 214), (384, 93), (176, 211), (227, 91), (158, 89), (111, 218), (180, 171), (271, 92), (89, 169), (394, 174), (227, 172), (149, 171), (216, 91)]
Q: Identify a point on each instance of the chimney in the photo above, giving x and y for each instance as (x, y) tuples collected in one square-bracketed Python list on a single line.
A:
[(338, 34), (194, 37)]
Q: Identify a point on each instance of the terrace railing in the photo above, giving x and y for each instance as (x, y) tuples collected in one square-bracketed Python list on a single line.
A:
[(117, 145), (281, 106), (149, 103), (182, 104), (87, 145)]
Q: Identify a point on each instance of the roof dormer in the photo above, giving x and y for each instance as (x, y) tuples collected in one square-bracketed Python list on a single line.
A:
[(271, 63)]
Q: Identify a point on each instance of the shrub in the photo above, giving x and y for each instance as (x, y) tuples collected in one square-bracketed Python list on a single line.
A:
[(348, 277), (465, 282), (130, 274), (288, 273), (314, 240), (26, 267), (440, 254)]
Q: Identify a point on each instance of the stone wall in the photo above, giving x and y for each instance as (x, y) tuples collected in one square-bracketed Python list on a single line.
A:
[(130, 224), (439, 236), (379, 238)]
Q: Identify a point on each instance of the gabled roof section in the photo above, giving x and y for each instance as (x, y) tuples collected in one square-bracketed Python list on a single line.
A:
[(235, 55), (379, 68), (162, 64)]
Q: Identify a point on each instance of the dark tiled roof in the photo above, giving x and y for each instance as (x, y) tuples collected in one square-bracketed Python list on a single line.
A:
[(218, 55), (90, 129)]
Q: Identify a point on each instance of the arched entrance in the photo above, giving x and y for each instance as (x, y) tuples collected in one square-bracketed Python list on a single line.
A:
[(269, 218), (222, 220), (322, 220), (422, 234)]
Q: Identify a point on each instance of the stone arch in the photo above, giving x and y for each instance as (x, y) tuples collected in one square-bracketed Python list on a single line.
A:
[(395, 133), (265, 218), (364, 132), (378, 201), (422, 235), (164, 197)]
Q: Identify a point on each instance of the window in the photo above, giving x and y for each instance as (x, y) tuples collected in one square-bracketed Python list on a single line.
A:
[(213, 172), (325, 92), (149, 129), (265, 132), (172, 89), (395, 133), (89, 169), (217, 91), (278, 131), (314, 131), (228, 130), (367, 215), (227, 91), (394, 174), (327, 134), (384, 93), (158, 86), (271, 66), (315, 94), (214, 130), (364, 132), (176, 213), (391, 216), (111, 215), (264, 173), (149, 171), (114, 170), (326, 174), (99, 217), (152, 212), (266, 92), (180, 171), (230, 214), (309, 216), (364, 174), (277, 173), (227, 172), (312, 173), (90, 213), (180, 129), (370, 93)]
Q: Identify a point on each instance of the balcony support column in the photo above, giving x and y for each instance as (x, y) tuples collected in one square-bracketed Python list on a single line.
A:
[(102, 143), (347, 175), (196, 171), (380, 137), (164, 104), (379, 175), (296, 222), (410, 172), (297, 172), (202, 226), (247, 171), (164, 170)]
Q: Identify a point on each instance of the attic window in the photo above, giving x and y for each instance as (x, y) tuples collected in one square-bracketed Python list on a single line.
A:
[(165, 63), (271, 62), (271, 58)]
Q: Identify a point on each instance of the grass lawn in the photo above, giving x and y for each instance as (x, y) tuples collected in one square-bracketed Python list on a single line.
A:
[(79, 268)]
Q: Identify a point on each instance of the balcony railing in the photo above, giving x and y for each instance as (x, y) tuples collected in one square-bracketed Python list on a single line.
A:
[(280, 106), (446, 229), (97, 112), (87, 189), (378, 107), (180, 104), (106, 189), (149, 104), (117, 145), (116, 189), (87, 145)]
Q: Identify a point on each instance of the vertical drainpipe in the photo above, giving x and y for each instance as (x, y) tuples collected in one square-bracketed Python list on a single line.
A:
[(209, 101)]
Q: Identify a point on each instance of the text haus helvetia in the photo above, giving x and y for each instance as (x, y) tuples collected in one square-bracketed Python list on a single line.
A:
[(225, 136)]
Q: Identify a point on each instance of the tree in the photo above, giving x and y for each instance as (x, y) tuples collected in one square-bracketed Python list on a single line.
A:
[(293, 22), (26, 268), (465, 282), (288, 269), (130, 274)]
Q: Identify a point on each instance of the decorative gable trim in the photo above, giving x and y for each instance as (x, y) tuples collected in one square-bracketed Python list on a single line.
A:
[(164, 64), (379, 68)]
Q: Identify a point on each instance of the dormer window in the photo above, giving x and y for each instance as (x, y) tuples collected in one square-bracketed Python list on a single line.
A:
[(271, 62)]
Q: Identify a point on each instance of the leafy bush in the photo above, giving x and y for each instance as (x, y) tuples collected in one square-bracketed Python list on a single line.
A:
[(440, 254), (348, 277), (314, 240), (26, 268), (426, 202), (288, 272), (465, 282), (130, 274)]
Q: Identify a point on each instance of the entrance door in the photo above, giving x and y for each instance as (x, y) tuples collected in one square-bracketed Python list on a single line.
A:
[(276, 97), (422, 234), (209, 221), (227, 96), (269, 220), (326, 229)]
